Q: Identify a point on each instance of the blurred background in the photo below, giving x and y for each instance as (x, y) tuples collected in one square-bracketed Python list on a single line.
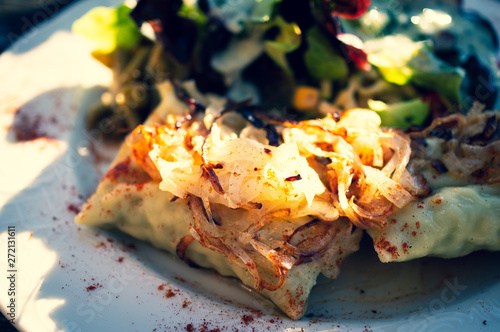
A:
[(18, 16)]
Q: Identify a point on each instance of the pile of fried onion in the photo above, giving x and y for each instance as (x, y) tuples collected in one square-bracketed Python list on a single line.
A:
[(268, 207)]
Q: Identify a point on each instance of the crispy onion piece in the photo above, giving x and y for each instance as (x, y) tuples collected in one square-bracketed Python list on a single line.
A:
[(310, 245), (182, 247), (387, 187), (269, 265), (266, 208), (413, 181), (237, 253), (365, 166), (256, 226), (441, 124), (400, 145), (468, 145), (139, 142), (337, 240), (472, 162)]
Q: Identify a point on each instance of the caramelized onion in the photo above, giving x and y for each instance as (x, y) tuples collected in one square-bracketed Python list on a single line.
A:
[(182, 248), (470, 149), (268, 208)]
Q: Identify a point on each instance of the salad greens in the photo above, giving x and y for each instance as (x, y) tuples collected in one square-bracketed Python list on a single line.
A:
[(401, 61), (287, 40), (108, 28), (401, 114), (409, 63), (457, 56), (322, 60)]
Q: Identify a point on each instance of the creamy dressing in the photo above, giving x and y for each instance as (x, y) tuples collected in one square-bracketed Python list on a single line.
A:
[(231, 62), (233, 13)]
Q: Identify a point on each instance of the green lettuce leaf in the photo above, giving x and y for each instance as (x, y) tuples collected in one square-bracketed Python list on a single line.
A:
[(432, 73), (402, 114), (193, 12), (401, 61), (288, 40), (108, 28), (321, 58)]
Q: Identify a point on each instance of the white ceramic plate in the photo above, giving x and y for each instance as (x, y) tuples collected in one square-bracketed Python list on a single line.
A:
[(70, 278)]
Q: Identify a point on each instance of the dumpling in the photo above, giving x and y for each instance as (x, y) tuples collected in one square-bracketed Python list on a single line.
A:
[(268, 201), (459, 158)]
